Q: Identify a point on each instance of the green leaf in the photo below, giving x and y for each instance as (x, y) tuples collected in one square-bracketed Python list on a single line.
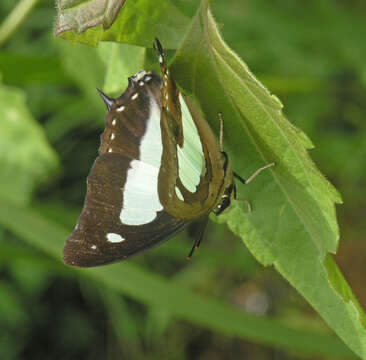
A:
[(293, 224), (57, 126), (84, 65), (121, 62), (138, 23), (79, 15), (35, 69), (12, 311), (26, 159), (107, 67), (15, 18), (153, 290)]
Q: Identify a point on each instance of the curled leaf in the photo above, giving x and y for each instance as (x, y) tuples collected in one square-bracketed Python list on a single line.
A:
[(79, 15)]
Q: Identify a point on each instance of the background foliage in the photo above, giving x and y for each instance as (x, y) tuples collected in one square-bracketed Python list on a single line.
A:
[(223, 303)]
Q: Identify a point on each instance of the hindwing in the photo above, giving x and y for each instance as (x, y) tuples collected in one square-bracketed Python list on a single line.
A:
[(191, 179)]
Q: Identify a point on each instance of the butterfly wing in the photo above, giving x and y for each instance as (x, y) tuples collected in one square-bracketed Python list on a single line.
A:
[(122, 214), (194, 172), (159, 168)]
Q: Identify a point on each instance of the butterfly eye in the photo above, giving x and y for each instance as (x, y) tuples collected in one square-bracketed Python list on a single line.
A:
[(225, 201), (223, 205)]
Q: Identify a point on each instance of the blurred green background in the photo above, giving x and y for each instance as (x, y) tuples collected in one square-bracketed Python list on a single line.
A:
[(312, 56)]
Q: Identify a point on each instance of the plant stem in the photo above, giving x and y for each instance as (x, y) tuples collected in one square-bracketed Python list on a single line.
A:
[(15, 18)]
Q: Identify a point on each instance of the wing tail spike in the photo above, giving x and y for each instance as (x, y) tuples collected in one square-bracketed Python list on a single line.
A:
[(107, 100)]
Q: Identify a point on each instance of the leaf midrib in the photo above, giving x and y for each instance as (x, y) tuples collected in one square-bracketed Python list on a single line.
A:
[(212, 49)]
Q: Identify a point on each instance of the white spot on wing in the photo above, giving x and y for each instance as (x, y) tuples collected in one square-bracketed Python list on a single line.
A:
[(134, 96), (190, 157), (179, 194), (115, 238), (120, 108), (112, 136), (113, 122), (93, 247), (140, 195)]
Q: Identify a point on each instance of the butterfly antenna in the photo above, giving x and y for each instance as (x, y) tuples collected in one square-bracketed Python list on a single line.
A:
[(197, 242)]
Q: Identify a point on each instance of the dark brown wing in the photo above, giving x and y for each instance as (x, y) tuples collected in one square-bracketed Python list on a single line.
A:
[(100, 236)]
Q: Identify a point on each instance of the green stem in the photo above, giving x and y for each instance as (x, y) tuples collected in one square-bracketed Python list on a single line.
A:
[(15, 18)]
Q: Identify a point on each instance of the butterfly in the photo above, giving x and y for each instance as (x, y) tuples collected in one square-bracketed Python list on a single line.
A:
[(159, 169)]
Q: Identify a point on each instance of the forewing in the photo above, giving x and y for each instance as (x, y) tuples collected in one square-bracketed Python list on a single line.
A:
[(122, 214)]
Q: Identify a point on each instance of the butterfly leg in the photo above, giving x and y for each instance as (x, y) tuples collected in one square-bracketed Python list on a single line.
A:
[(197, 242), (254, 175), (243, 181)]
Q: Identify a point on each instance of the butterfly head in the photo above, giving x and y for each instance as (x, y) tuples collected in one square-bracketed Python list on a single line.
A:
[(225, 201)]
